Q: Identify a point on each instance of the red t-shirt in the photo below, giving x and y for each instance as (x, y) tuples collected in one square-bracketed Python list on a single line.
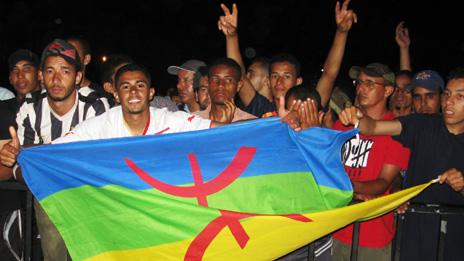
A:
[(364, 162)]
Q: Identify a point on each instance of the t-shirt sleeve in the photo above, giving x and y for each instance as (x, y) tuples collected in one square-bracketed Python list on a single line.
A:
[(190, 122), (397, 154), (24, 122), (86, 130), (410, 126)]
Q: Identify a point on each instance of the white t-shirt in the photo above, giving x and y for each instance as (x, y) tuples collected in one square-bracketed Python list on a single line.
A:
[(111, 125)]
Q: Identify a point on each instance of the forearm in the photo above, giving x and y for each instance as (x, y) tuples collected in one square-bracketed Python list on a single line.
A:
[(375, 187), (233, 52), (332, 66), (5, 172), (405, 60)]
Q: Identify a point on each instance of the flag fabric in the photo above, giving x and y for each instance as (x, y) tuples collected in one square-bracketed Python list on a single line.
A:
[(239, 191)]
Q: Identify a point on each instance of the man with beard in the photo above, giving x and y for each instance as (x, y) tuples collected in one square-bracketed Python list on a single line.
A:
[(54, 113)]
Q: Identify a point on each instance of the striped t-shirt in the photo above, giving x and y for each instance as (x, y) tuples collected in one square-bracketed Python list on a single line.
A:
[(39, 124)]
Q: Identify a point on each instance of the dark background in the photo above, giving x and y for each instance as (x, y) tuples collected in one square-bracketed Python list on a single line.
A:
[(168, 32)]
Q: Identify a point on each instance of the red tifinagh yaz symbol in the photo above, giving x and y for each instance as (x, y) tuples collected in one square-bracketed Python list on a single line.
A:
[(201, 190)]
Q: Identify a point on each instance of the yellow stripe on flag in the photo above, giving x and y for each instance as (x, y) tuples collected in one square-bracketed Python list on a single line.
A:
[(272, 236)]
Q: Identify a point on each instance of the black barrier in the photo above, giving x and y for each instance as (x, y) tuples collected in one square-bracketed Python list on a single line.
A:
[(428, 209), (11, 185)]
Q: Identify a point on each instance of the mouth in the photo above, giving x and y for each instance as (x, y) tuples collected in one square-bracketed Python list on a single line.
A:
[(134, 100), (448, 112)]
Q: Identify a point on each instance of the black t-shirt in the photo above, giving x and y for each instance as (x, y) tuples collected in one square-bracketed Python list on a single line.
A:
[(8, 110), (434, 150), (9, 199), (258, 106)]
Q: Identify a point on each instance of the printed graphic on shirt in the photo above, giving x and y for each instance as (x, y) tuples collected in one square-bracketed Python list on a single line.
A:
[(355, 155)]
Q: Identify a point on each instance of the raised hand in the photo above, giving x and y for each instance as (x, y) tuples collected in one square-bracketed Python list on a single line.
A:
[(227, 23), (10, 150), (344, 17), (228, 114), (350, 116), (308, 115), (402, 35)]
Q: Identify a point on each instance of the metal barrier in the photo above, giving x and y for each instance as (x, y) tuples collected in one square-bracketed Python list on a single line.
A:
[(15, 186), (428, 209)]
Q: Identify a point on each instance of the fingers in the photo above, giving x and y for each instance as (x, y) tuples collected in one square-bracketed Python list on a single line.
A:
[(9, 154), (14, 137), (234, 10), (225, 9), (282, 111), (345, 4), (337, 8)]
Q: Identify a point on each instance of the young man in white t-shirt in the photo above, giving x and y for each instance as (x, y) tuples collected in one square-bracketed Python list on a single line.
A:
[(135, 117)]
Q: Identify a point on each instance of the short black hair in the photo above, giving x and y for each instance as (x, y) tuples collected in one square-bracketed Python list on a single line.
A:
[(404, 73), (286, 57), (228, 62), (456, 73), (263, 61), (301, 92), (113, 61), (132, 67), (83, 41)]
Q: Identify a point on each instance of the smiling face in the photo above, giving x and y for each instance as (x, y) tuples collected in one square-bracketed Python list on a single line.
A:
[(133, 92), (452, 104)]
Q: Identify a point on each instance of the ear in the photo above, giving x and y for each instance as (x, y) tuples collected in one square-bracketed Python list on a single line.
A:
[(108, 87), (78, 77), (299, 81), (87, 59), (116, 97), (152, 93), (266, 82), (389, 90), (239, 85)]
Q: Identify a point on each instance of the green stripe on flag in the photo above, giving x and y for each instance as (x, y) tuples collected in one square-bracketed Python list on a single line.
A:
[(116, 218)]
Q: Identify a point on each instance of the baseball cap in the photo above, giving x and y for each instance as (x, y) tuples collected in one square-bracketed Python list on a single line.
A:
[(428, 79), (190, 65), (374, 70), (63, 49), (22, 55)]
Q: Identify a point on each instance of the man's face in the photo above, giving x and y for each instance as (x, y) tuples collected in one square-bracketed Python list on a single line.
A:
[(371, 91), (283, 77), (133, 92), (257, 75), (222, 84), (24, 78), (202, 94), (402, 96), (60, 78), (425, 100), (185, 86), (452, 103)]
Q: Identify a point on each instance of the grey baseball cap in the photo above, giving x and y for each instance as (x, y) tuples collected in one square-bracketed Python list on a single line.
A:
[(374, 70), (190, 65)]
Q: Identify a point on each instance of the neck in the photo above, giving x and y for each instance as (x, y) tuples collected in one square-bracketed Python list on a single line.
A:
[(85, 82), (136, 123), (193, 106), (456, 129), (266, 92), (63, 107), (376, 112), (402, 111)]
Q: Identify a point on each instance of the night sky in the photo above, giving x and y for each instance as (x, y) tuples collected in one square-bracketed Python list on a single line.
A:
[(168, 32)]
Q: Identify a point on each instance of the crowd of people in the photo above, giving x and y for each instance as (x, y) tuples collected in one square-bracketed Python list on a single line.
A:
[(411, 124)]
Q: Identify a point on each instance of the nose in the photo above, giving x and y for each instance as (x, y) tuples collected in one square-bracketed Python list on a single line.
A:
[(56, 78)]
